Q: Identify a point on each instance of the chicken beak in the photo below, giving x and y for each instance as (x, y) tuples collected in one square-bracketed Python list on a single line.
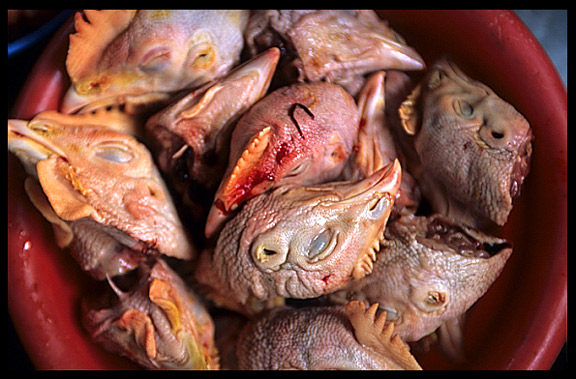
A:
[(384, 181), (401, 56), (371, 199), (73, 102), (29, 141)]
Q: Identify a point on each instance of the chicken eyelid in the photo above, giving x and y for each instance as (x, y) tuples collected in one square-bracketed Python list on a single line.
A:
[(321, 245), (155, 60), (114, 153), (300, 168), (463, 108)]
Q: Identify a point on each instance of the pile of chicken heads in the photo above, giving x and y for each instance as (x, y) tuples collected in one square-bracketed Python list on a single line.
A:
[(272, 189)]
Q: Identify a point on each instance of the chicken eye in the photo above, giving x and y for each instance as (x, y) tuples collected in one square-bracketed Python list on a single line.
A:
[(300, 168), (463, 108), (321, 245), (391, 315), (155, 61), (114, 153)]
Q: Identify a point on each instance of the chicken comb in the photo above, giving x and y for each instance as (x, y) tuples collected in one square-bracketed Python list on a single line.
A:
[(247, 163), (95, 30)]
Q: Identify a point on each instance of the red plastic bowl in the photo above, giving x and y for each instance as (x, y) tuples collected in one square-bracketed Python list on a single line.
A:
[(519, 324)]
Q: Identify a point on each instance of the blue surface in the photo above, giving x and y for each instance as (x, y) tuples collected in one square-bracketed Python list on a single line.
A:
[(550, 27), (38, 35)]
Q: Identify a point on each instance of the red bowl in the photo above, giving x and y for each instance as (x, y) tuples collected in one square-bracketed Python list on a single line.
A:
[(519, 324)]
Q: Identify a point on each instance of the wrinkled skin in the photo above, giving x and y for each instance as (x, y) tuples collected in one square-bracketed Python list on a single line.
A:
[(302, 133), (192, 136), (299, 242), (100, 190), (138, 57), (429, 272), (375, 146), (333, 45), (157, 322), (324, 338), (473, 148)]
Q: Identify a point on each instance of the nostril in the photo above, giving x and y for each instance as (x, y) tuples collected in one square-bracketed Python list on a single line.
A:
[(268, 258), (497, 135), (155, 191)]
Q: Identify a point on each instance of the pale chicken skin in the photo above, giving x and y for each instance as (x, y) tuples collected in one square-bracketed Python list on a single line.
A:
[(332, 45), (191, 138), (308, 168), (347, 337), (375, 147), (156, 321), (471, 148), (100, 190), (428, 273), (143, 56), (298, 242), (302, 133)]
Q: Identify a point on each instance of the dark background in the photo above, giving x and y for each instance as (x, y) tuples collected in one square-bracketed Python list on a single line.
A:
[(549, 27)]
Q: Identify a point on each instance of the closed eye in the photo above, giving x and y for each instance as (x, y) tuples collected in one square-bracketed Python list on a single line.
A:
[(300, 168), (155, 60), (116, 153), (463, 108), (322, 245)]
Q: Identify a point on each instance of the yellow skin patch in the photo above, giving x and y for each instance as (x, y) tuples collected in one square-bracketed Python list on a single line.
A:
[(205, 59), (141, 325), (135, 53), (261, 254), (71, 176), (103, 81), (159, 14), (162, 294)]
